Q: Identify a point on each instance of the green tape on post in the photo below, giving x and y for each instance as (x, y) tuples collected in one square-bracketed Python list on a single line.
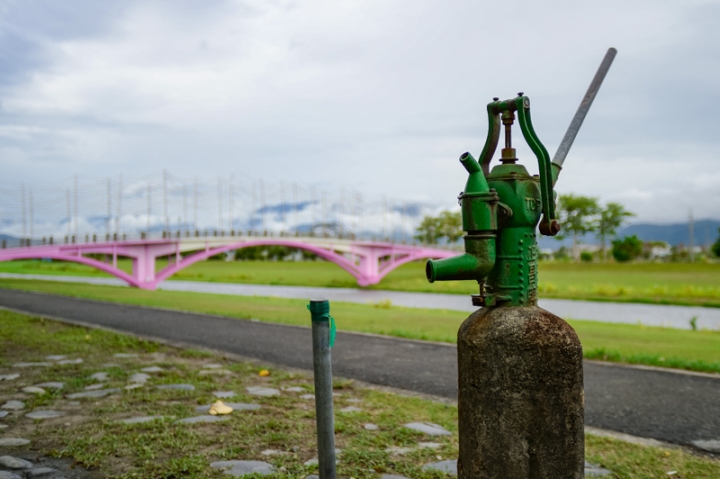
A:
[(320, 311)]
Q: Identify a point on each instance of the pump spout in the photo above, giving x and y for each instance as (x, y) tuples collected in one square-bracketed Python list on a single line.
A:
[(475, 264), (479, 218)]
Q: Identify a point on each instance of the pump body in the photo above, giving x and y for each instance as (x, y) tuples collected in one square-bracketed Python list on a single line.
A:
[(520, 400)]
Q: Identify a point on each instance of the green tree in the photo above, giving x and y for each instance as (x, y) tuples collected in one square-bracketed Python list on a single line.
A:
[(451, 226), (447, 225), (577, 215), (627, 249), (428, 231), (716, 247), (611, 217)]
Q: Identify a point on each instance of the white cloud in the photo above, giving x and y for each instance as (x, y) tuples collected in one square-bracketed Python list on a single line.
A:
[(377, 96)]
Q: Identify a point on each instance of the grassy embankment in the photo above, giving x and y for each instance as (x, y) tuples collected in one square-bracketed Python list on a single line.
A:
[(692, 350), (660, 283), (92, 435)]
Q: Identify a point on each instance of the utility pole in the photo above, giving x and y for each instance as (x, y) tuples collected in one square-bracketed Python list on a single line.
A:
[(354, 213), (262, 204), (391, 211), (119, 206), (69, 211), (385, 217), (195, 204), (75, 201), (109, 207), (185, 205), (22, 208), (231, 201), (295, 207), (312, 210), (32, 217), (342, 211), (166, 218), (149, 209), (691, 228), (324, 213), (360, 219), (403, 221), (282, 205), (220, 221), (252, 211)]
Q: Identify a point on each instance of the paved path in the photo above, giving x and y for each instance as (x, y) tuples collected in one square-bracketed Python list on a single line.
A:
[(629, 313), (668, 406)]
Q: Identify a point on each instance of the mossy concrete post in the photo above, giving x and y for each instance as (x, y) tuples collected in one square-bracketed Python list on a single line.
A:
[(520, 401)]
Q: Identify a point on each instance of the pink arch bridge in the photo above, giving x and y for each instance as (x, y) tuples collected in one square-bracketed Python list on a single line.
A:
[(367, 261)]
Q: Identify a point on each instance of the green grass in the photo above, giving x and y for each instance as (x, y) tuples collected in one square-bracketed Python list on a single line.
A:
[(91, 436), (662, 283), (626, 343)]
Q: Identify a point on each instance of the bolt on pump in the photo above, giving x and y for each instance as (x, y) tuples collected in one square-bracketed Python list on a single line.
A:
[(520, 372)]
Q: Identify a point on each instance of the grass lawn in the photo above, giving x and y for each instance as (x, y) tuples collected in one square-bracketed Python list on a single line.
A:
[(90, 434), (693, 350), (662, 283)]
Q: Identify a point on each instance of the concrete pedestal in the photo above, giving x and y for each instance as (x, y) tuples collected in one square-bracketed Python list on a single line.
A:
[(521, 403)]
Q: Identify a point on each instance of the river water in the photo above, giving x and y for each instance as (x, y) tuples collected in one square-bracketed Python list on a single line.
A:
[(630, 313)]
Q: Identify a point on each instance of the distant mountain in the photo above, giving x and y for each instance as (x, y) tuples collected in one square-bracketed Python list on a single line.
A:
[(706, 232)]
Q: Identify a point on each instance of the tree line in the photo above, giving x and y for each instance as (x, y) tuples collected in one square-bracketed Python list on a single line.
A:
[(578, 215)]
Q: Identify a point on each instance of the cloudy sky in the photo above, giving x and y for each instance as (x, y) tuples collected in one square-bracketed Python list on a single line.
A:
[(375, 96)]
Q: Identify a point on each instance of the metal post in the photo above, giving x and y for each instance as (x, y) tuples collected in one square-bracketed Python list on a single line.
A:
[(385, 218), (324, 214), (69, 212), (195, 204), (220, 222), (312, 211), (75, 204), (166, 218), (149, 209), (322, 365), (119, 206), (691, 231), (262, 205), (32, 216), (109, 207), (295, 207), (231, 205), (252, 211), (341, 221), (24, 218), (184, 217), (360, 215), (282, 207)]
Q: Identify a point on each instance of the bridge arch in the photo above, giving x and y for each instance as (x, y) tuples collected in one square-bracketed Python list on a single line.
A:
[(329, 255), (107, 268)]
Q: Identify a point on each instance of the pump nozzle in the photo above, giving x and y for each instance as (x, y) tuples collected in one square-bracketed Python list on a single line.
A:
[(479, 217)]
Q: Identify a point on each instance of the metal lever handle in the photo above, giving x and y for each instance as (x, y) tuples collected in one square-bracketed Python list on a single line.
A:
[(582, 110)]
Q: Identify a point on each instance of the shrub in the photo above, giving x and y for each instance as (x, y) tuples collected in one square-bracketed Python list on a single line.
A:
[(626, 249)]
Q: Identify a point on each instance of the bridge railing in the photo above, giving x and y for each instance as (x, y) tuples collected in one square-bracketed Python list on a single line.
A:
[(155, 235)]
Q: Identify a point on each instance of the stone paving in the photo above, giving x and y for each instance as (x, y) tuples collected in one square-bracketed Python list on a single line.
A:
[(21, 465), (24, 464)]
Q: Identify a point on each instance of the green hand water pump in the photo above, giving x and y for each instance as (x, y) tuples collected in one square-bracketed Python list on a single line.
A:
[(520, 367), (501, 210)]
